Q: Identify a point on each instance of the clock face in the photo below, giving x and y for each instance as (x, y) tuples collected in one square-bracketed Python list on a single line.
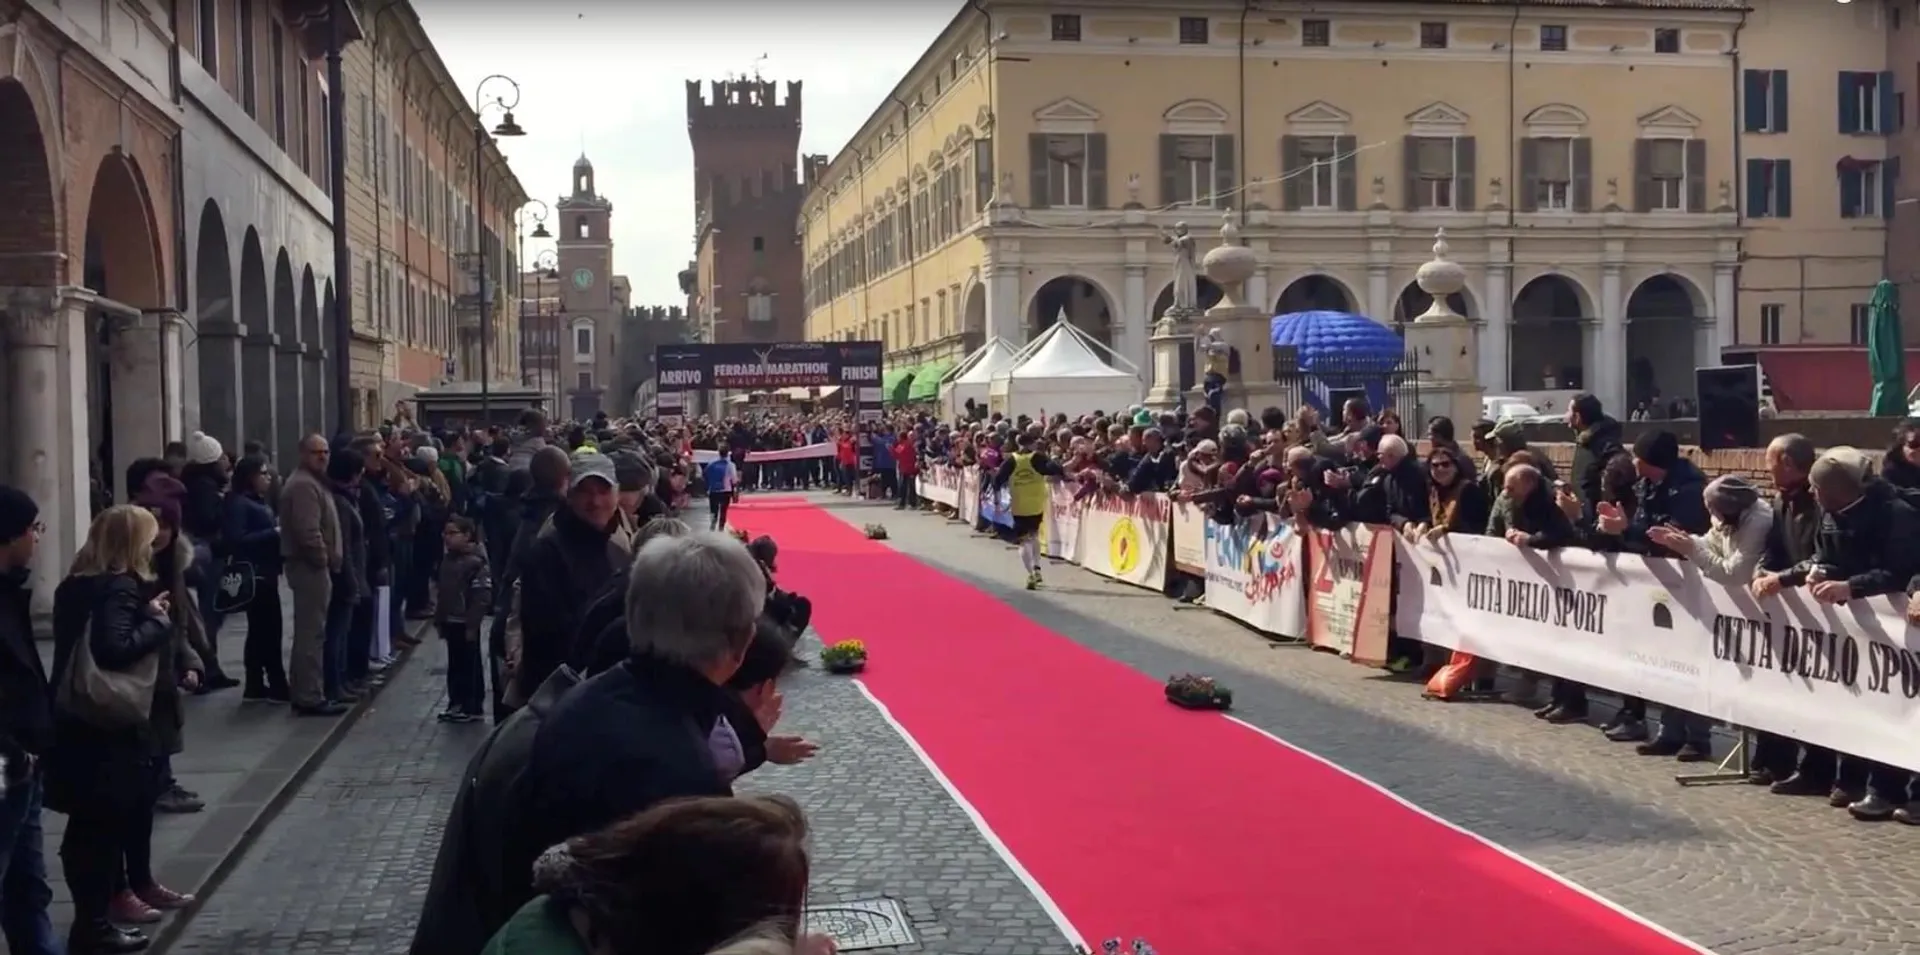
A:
[(582, 279)]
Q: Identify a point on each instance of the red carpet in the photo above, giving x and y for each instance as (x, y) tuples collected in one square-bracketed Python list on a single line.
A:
[(1142, 820)]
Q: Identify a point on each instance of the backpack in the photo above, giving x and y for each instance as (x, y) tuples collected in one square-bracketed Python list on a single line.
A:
[(716, 474)]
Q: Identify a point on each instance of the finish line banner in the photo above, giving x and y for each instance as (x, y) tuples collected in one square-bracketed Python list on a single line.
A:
[(749, 366), (1845, 677), (805, 452)]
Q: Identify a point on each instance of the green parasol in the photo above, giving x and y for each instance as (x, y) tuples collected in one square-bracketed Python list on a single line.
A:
[(1886, 358)]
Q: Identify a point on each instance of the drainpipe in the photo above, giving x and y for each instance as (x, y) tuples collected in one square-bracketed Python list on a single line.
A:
[(1513, 185), (1740, 196), (1240, 141), (167, 398)]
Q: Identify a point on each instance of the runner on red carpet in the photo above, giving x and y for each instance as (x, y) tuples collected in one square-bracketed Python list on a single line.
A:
[(1026, 472)]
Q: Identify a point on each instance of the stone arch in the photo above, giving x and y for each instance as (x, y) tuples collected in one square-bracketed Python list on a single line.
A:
[(1663, 312), (1414, 302), (973, 315), (255, 384), (311, 413), (123, 247), (1316, 291), (1548, 337), (30, 234), (1087, 304), (214, 303), (327, 318), (285, 435)]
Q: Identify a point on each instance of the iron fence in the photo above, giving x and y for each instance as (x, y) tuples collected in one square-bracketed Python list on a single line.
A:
[(1327, 381)]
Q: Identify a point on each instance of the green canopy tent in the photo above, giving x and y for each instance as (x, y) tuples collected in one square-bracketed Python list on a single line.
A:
[(926, 382), (1886, 357), (894, 384)]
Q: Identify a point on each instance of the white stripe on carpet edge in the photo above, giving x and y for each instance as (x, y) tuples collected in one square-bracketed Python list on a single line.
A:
[(1422, 811), (979, 821)]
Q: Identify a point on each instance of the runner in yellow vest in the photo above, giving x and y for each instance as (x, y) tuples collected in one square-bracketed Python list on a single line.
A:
[(1025, 472)]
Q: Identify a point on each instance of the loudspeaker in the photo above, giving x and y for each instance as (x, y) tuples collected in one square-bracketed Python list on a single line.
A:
[(1729, 406)]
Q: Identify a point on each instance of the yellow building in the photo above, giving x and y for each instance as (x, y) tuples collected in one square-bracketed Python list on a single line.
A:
[(990, 193)]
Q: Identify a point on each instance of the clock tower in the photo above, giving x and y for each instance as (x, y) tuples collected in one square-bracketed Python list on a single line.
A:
[(584, 258)]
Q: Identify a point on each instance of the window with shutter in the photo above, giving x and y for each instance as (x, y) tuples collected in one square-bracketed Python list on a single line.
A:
[(1667, 173), (1067, 171), (1435, 172), (1866, 100), (1193, 171), (1553, 183), (1318, 175)]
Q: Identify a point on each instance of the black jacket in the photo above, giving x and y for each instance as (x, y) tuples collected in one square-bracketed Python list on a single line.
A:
[(100, 771), (1592, 449), (26, 701), (621, 743), (1678, 498), (1395, 495), (562, 572), (466, 899), (1874, 545)]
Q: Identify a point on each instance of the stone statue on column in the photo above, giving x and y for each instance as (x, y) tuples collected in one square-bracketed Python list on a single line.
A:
[(1186, 276)]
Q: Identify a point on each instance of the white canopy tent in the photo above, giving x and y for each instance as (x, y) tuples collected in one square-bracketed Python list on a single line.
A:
[(974, 375), (1062, 372)]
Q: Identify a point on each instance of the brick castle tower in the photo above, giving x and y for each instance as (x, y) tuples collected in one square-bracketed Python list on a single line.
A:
[(745, 281)]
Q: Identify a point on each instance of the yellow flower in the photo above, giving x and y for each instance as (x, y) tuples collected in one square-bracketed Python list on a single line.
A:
[(850, 646)]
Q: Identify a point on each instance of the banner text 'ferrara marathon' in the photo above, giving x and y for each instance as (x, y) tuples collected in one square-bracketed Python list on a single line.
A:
[(773, 374)]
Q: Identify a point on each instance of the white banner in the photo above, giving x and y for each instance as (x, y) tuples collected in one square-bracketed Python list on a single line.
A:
[(805, 452), (1126, 538), (1844, 677), (1063, 523), (969, 504), (1253, 574), (940, 484), (1189, 538)]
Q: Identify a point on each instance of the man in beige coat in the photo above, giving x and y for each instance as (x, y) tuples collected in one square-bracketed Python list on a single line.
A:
[(310, 543)]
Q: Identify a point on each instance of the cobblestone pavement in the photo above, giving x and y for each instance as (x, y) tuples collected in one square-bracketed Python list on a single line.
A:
[(1731, 867), (345, 865)]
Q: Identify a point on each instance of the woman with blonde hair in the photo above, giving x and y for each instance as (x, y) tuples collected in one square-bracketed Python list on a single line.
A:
[(686, 877), (119, 665)]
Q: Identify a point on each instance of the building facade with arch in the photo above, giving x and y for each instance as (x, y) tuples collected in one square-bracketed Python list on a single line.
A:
[(1588, 164)]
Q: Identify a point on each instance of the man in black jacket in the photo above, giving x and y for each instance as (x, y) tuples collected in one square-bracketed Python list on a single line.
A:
[(26, 733), (564, 568), (1596, 440), (543, 480)]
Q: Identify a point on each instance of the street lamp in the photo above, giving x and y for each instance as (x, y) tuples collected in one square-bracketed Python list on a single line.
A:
[(505, 128)]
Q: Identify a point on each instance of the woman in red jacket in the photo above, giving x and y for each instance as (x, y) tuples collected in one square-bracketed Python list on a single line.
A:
[(849, 457), (906, 466)]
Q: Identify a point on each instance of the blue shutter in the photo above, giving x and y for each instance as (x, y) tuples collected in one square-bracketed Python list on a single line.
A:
[(1783, 188), (1849, 193), (1758, 174), (1753, 90), (1849, 102), (1889, 176), (1779, 101), (1889, 105)]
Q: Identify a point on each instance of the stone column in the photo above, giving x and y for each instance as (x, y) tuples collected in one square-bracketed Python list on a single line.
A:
[(1003, 304), (34, 323), (1133, 344), (183, 399), (1496, 308), (1726, 318), (138, 383), (1380, 303), (1609, 380)]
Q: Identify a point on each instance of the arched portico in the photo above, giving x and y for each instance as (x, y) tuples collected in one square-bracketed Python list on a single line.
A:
[(287, 402), (214, 302), (256, 383), (1084, 303)]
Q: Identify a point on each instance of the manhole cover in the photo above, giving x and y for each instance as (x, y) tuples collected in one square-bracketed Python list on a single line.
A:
[(864, 924)]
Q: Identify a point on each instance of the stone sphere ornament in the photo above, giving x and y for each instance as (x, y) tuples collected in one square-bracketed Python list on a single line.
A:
[(1440, 278)]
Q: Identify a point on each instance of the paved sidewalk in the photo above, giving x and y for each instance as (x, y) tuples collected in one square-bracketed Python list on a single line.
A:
[(242, 758)]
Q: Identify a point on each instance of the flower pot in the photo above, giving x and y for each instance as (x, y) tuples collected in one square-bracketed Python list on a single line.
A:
[(844, 666), (1187, 702)]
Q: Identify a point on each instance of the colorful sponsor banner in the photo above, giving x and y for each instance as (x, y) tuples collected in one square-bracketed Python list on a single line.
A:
[(969, 504), (1842, 676), (940, 483), (1349, 602), (997, 506), (1126, 538), (1253, 573), (1063, 523), (1190, 538)]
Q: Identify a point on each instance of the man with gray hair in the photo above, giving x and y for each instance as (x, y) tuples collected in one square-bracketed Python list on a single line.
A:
[(657, 726)]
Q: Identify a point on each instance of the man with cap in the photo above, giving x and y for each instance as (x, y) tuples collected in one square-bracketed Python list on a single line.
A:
[(26, 733), (634, 475), (563, 569)]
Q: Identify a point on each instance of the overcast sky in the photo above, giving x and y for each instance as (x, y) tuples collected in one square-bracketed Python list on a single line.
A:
[(609, 79)]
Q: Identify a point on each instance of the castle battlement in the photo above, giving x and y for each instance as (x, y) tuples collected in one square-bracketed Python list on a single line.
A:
[(657, 313), (742, 104)]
